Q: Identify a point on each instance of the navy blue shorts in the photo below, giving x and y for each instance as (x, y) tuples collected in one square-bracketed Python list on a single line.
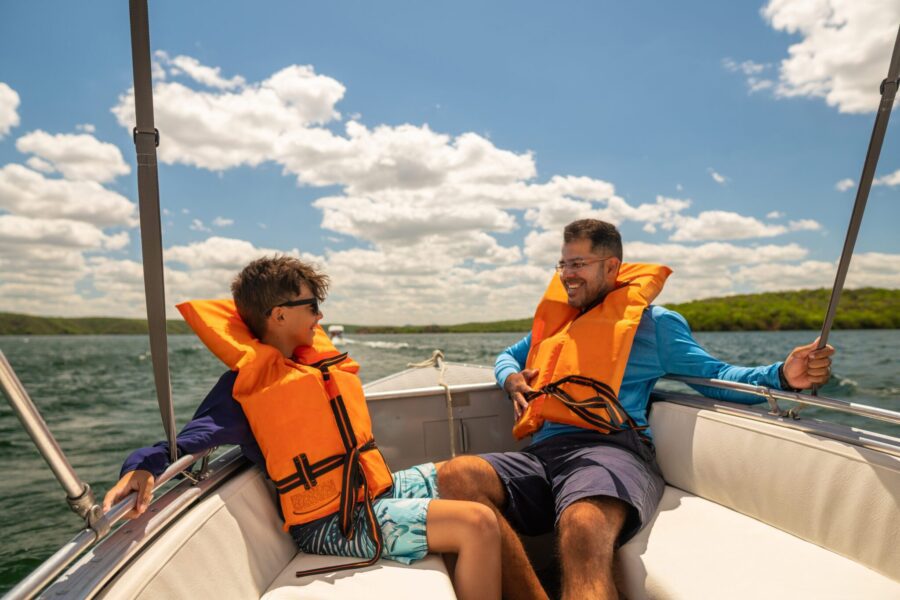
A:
[(545, 478)]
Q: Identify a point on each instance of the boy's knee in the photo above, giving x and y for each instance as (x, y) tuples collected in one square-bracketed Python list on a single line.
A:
[(470, 478), (481, 523)]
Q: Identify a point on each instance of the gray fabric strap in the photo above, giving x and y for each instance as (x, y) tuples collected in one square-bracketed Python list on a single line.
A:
[(146, 138), (888, 91)]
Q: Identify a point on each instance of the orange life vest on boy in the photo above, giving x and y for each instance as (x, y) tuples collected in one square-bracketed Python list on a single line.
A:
[(308, 416), (581, 357)]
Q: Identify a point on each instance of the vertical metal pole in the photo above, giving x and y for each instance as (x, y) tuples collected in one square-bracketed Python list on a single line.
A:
[(146, 138), (888, 91)]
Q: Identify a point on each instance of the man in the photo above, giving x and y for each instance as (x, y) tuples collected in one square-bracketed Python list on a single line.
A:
[(591, 473)]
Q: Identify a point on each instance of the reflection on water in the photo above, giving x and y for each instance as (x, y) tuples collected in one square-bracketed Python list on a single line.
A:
[(97, 396)]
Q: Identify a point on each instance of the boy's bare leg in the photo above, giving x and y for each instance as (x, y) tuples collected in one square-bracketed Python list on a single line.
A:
[(588, 530), (470, 531), (472, 478)]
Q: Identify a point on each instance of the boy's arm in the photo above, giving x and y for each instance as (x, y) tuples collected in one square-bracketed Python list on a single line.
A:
[(219, 420)]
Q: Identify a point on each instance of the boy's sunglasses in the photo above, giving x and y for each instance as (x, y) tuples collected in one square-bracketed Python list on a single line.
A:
[(313, 304)]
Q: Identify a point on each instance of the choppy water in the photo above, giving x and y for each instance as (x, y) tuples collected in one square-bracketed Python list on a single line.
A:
[(96, 394)]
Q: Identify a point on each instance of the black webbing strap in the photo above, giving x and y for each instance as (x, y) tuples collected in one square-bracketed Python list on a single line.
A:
[(604, 398), (146, 139), (354, 479)]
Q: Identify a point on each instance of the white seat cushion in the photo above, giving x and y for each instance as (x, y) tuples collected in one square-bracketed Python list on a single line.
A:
[(386, 579), (697, 549)]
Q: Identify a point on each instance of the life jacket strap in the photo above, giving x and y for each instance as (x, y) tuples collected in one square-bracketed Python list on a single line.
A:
[(353, 479), (307, 473), (616, 419)]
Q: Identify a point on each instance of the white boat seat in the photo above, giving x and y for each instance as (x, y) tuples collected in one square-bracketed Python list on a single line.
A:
[(385, 579), (232, 546), (754, 510), (697, 549)]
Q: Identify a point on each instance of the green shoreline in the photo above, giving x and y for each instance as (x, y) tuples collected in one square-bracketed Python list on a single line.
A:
[(864, 308)]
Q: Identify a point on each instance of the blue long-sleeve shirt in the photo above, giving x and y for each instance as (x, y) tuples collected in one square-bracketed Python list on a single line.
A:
[(662, 345), (219, 420)]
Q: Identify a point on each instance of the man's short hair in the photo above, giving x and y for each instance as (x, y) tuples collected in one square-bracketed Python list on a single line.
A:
[(605, 238), (269, 281)]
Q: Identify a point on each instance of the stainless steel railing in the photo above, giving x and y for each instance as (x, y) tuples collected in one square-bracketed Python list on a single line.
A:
[(773, 395), (78, 493)]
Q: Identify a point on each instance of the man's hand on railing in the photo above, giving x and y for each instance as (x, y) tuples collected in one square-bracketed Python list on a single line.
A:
[(805, 366), (138, 481)]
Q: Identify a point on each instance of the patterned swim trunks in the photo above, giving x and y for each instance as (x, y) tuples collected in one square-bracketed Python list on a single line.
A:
[(401, 512)]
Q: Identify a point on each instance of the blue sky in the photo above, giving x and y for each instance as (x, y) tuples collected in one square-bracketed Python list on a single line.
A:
[(428, 156)]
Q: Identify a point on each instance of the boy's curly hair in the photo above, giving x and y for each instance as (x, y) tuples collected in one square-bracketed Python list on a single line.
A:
[(269, 281)]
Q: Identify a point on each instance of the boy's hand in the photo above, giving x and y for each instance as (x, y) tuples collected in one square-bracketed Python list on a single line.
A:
[(805, 366), (516, 386), (134, 481)]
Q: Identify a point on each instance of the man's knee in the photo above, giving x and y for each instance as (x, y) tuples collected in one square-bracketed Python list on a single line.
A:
[(592, 525), (470, 478)]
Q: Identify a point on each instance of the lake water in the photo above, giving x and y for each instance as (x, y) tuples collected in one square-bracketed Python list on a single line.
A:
[(96, 394)]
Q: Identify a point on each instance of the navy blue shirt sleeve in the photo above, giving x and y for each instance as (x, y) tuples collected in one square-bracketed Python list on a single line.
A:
[(218, 421)]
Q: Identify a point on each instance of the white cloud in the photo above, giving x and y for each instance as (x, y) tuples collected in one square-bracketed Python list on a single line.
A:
[(19, 230), (752, 71), (844, 52), (804, 225), (775, 215), (209, 76), (219, 253), (720, 225), (423, 209), (85, 127), (39, 164), (197, 225), (219, 130), (77, 157), (9, 104), (28, 193), (718, 177), (844, 184), (891, 179)]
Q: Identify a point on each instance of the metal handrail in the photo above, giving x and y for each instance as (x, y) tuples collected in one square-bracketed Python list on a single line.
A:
[(862, 410), (62, 558), (78, 493), (431, 390)]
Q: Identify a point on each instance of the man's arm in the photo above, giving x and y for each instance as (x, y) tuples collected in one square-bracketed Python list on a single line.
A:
[(680, 354), (512, 376), (219, 420)]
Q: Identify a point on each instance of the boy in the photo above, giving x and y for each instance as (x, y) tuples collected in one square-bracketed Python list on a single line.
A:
[(291, 401)]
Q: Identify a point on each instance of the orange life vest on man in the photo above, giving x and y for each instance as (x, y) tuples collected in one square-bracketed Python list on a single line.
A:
[(309, 417), (581, 357)]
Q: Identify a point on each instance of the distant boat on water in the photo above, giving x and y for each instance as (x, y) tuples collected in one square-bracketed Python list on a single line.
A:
[(336, 333)]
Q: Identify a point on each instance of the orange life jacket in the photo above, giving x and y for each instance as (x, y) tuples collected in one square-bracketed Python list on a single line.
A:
[(309, 417), (581, 357)]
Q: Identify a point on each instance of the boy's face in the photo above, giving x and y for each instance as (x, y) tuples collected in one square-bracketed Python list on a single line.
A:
[(299, 322)]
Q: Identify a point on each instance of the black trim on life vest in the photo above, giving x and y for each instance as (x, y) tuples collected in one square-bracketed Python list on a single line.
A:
[(619, 419), (353, 478)]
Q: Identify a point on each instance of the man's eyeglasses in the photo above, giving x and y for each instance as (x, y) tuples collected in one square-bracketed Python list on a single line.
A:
[(576, 264), (313, 305)]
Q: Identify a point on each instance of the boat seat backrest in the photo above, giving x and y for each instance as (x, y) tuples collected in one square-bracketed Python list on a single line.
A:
[(231, 545), (836, 495)]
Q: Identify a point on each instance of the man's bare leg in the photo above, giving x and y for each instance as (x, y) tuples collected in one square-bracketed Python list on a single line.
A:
[(588, 530), (473, 478)]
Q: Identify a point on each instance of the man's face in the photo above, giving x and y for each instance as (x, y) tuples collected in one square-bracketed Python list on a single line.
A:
[(595, 277)]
